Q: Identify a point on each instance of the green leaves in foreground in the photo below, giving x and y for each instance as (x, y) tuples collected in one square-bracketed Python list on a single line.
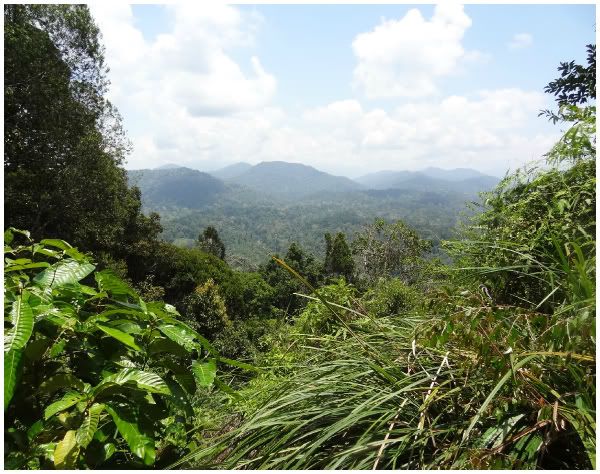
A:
[(113, 370)]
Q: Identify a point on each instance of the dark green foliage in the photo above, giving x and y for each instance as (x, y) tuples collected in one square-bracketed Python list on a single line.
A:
[(338, 258), (284, 286), (63, 141), (205, 310), (210, 242), (577, 83), (94, 375)]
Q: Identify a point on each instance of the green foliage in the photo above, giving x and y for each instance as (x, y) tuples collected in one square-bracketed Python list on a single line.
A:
[(92, 371), (205, 309), (384, 250), (64, 143), (210, 242), (391, 297), (338, 258)]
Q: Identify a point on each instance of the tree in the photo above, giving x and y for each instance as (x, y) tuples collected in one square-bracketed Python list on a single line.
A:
[(205, 310), (576, 84), (64, 143), (210, 242), (384, 250), (338, 258)]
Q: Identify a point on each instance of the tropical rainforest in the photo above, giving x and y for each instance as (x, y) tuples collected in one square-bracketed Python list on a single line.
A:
[(361, 348)]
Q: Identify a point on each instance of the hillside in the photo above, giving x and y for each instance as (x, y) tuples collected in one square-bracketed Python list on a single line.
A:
[(231, 171), (179, 187), (292, 180)]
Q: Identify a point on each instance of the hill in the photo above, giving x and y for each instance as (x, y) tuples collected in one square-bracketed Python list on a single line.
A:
[(231, 171), (292, 180), (178, 187)]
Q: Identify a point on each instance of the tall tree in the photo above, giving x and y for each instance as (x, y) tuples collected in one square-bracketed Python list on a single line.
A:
[(210, 242), (338, 258), (64, 143)]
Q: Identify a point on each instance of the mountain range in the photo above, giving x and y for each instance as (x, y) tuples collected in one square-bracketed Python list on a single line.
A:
[(260, 209)]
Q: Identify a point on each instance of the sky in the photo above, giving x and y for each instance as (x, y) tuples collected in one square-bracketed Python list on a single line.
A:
[(348, 89)]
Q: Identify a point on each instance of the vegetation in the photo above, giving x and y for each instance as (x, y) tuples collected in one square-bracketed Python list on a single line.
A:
[(351, 348)]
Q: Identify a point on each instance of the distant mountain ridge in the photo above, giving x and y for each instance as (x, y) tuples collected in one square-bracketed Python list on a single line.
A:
[(463, 180), (292, 180)]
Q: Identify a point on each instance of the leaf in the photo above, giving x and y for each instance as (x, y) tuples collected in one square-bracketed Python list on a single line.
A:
[(88, 428), (148, 381), (59, 244), (12, 370), (63, 272), (70, 399), (186, 336), (22, 320), (35, 429), (126, 419), (121, 336), (204, 372), (57, 348), (59, 381), (66, 452), (492, 394), (108, 281)]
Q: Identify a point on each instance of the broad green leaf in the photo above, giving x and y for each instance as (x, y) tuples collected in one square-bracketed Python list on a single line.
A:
[(59, 244), (108, 450), (108, 281), (22, 320), (162, 344), (121, 336), (12, 370), (186, 336), (36, 348), (27, 266), (148, 381), (35, 429), (70, 399), (66, 452), (127, 420), (204, 372), (88, 428), (226, 388), (59, 381), (63, 272), (57, 348)]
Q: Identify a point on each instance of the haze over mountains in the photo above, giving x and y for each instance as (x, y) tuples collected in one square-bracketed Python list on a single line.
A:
[(261, 209), (295, 180)]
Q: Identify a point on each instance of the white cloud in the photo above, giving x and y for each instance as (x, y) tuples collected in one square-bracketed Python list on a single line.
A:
[(406, 57), (186, 100), (520, 41), (190, 66)]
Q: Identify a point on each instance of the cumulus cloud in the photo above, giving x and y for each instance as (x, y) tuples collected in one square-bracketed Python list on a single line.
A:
[(186, 100), (406, 57), (190, 65), (520, 41)]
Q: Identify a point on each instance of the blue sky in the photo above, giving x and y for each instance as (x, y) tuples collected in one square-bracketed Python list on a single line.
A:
[(346, 88)]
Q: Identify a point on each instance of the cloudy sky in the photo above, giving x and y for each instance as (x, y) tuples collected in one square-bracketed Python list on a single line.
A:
[(348, 89)]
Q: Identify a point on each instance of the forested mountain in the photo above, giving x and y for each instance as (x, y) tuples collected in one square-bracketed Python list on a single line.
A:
[(256, 222), (178, 187), (292, 180), (231, 171)]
